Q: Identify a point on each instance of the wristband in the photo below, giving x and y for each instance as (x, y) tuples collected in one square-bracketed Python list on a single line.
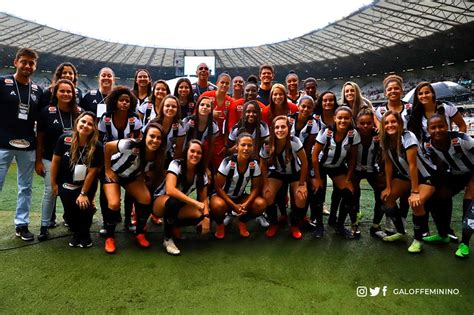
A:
[(83, 193)]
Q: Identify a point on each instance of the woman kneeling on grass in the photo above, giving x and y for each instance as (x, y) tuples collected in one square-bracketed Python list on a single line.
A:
[(455, 152), (126, 162), (405, 168), (284, 161), (174, 203), (232, 177), (74, 169)]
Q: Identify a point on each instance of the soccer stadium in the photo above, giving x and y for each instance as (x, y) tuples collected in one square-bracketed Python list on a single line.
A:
[(284, 272)]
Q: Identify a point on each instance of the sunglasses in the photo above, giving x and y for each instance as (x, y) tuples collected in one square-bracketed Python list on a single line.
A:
[(203, 68)]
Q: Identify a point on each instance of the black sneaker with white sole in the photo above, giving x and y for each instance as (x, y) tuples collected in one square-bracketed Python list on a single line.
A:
[(43, 235), (75, 240), (23, 233), (86, 242)]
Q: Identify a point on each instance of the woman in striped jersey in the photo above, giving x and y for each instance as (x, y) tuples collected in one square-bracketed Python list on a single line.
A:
[(335, 155), (173, 201), (405, 168), (455, 152), (149, 109), (393, 87), (233, 175), (368, 155), (126, 163), (251, 123), (284, 160)]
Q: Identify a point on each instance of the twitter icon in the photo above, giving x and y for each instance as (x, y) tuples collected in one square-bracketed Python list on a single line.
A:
[(375, 291)]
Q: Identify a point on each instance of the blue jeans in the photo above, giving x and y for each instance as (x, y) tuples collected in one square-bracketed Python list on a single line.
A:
[(25, 161), (49, 201)]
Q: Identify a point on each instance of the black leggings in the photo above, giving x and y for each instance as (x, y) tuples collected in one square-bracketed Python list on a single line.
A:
[(372, 180), (79, 220)]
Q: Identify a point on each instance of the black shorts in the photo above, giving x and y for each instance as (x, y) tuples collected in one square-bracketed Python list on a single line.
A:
[(286, 178), (123, 181), (456, 183), (332, 171), (430, 180)]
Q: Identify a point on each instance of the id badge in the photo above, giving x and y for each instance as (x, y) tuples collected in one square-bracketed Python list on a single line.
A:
[(23, 110), (79, 173)]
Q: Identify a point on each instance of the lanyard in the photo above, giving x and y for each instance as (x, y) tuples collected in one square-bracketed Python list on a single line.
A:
[(81, 152), (18, 91), (62, 122)]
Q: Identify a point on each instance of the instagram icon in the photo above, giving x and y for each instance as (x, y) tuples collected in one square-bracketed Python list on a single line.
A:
[(361, 291)]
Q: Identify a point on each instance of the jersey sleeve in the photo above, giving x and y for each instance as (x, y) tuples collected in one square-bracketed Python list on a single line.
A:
[(138, 123), (357, 139), (224, 166), (450, 110), (233, 133), (257, 171), (409, 140), (264, 130), (181, 130), (174, 168), (322, 138), (102, 124), (467, 141), (296, 144), (142, 108), (215, 128), (125, 145)]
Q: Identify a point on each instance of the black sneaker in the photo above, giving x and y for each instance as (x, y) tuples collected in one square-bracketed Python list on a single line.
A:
[(75, 241), (43, 236), (452, 236), (318, 231), (85, 242), (23, 233), (344, 232)]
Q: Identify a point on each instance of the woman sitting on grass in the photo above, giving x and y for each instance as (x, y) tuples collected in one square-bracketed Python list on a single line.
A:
[(174, 202), (232, 178), (74, 168)]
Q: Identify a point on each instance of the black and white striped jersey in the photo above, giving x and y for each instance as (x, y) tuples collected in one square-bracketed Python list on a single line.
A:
[(334, 153), (294, 164), (186, 188), (425, 167), (106, 126), (147, 110), (458, 157), (311, 127), (318, 119), (405, 113), (236, 182), (126, 162), (449, 112), (190, 124), (367, 156), (264, 132)]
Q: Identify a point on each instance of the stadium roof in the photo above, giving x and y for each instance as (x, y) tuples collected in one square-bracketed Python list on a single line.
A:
[(380, 25)]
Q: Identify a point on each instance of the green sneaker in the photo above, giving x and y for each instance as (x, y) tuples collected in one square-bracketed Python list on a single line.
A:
[(436, 239), (415, 247), (463, 251), (395, 237), (360, 216)]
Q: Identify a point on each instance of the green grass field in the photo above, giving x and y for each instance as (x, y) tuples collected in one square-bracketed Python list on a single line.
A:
[(256, 275)]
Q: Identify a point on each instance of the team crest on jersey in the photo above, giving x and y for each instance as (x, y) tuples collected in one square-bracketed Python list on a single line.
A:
[(68, 140), (131, 120), (34, 97), (149, 106), (107, 120), (174, 126), (240, 108), (291, 120), (191, 122), (93, 92), (52, 109), (34, 87), (8, 81), (455, 141), (227, 103), (191, 105), (310, 122), (376, 138), (317, 117), (407, 106), (382, 110), (329, 132), (233, 164), (350, 133), (252, 164), (135, 151), (428, 145)]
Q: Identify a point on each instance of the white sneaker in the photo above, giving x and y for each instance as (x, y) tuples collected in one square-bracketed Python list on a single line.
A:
[(102, 232), (228, 219), (170, 247), (262, 221), (326, 210)]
